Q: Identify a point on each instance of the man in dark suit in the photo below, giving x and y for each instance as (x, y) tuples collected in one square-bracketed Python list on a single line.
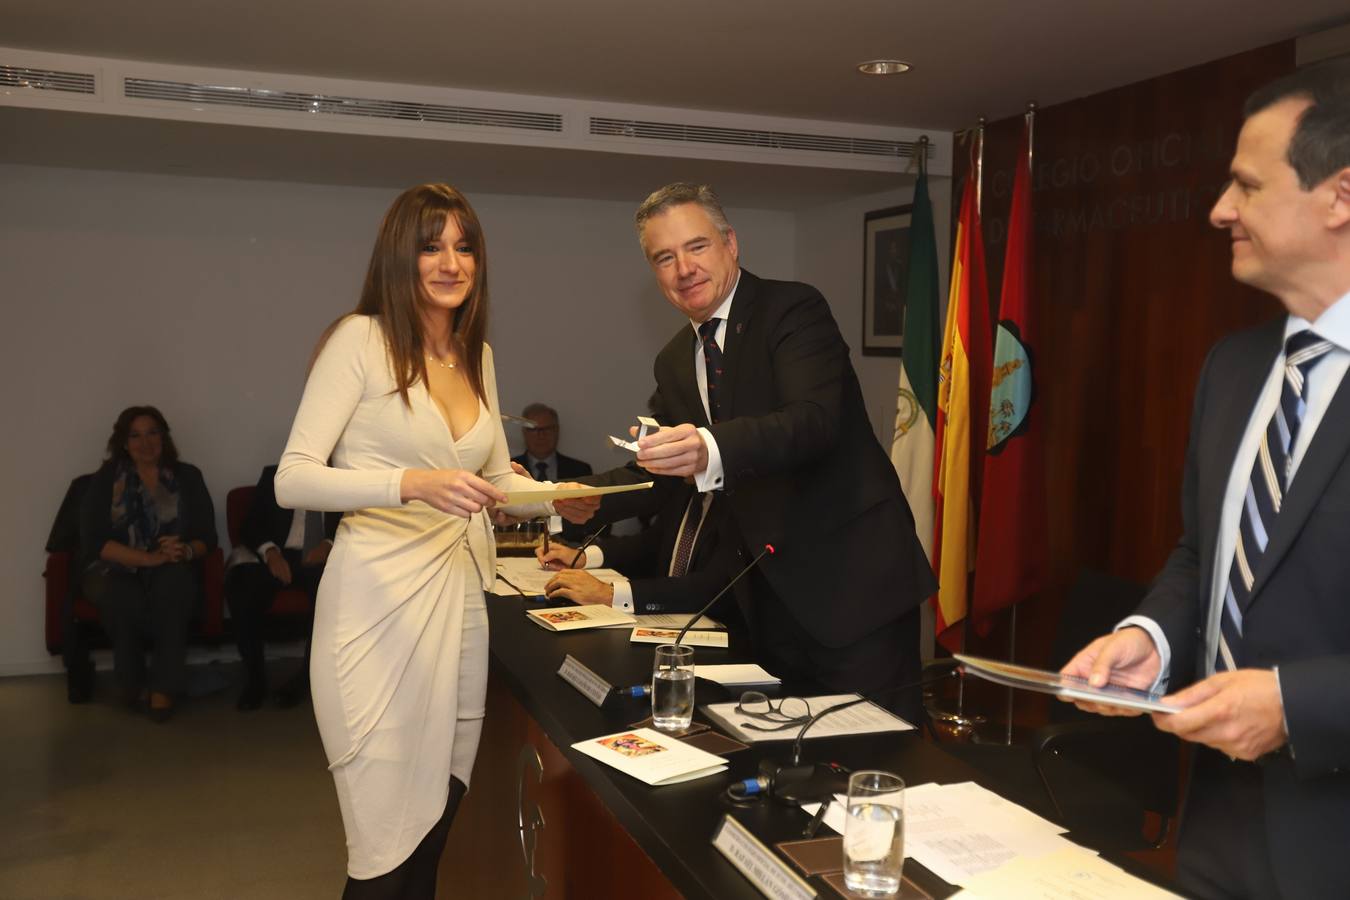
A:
[(1248, 625), (542, 460), (292, 547), (762, 407)]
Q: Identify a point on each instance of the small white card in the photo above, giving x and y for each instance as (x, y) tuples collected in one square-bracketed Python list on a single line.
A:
[(668, 635), (622, 444), (592, 686), (771, 875), (737, 674), (652, 757)]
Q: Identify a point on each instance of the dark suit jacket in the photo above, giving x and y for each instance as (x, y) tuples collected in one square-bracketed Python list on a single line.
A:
[(268, 522), (803, 469), (196, 514), (569, 469), (645, 558), (1299, 613)]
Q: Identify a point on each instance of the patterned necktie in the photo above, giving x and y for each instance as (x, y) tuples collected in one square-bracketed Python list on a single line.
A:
[(684, 546), (541, 471), (1265, 491), (712, 358)]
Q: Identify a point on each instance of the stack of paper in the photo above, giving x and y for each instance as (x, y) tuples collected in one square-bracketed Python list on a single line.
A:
[(1065, 873), (738, 675), (862, 718), (571, 618), (652, 757), (959, 831)]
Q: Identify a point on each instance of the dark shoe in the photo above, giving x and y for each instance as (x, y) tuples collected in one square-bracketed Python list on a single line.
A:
[(293, 692), (159, 708), (251, 697)]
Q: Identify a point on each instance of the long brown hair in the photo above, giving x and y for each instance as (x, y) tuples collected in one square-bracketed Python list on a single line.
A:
[(393, 288)]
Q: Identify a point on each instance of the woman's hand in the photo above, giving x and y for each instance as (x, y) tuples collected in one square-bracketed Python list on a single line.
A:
[(173, 548), (454, 491), (150, 559)]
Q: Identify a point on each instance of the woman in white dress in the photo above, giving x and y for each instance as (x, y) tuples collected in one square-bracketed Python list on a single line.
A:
[(399, 428)]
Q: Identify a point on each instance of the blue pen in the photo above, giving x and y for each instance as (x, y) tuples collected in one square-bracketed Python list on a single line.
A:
[(637, 690)]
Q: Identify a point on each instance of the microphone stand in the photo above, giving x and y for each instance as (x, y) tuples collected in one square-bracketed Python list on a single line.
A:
[(768, 548), (796, 783)]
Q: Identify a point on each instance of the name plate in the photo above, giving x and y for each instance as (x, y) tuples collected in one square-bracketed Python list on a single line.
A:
[(769, 874), (592, 686)]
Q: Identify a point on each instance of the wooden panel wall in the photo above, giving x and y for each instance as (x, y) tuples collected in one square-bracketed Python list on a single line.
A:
[(1133, 287)]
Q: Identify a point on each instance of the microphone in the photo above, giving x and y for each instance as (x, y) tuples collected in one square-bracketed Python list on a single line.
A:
[(797, 783), (768, 548)]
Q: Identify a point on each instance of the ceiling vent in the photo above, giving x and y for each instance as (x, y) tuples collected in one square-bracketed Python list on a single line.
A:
[(32, 79), (749, 137), (332, 105)]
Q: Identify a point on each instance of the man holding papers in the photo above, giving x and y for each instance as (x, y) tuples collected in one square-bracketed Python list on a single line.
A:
[(1249, 621), (763, 409)]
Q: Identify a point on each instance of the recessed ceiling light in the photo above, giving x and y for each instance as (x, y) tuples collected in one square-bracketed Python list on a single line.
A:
[(883, 67)]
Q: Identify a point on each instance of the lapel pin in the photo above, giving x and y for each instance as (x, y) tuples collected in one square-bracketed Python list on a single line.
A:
[(740, 327)]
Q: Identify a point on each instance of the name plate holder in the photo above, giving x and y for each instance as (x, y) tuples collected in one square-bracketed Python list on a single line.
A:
[(592, 686), (770, 875)]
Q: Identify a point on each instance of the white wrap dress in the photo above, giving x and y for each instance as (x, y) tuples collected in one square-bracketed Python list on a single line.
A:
[(399, 661)]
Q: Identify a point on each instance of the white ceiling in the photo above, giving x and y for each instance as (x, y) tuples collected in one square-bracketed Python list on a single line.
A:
[(774, 57), (778, 57)]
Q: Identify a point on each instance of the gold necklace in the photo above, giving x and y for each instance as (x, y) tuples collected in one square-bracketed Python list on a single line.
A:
[(443, 365)]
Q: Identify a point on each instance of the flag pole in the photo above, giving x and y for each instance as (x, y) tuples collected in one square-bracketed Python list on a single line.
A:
[(1030, 118), (970, 592)]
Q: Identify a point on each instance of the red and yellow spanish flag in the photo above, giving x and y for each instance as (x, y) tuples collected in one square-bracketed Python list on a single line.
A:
[(963, 404)]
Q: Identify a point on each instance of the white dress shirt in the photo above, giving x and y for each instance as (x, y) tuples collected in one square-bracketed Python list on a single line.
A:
[(710, 479)]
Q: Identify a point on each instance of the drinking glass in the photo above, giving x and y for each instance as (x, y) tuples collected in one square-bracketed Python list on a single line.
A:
[(874, 834), (673, 687)]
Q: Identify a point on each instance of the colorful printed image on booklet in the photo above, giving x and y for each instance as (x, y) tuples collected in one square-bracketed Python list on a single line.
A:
[(570, 618), (1046, 682), (668, 635), (651, 757)]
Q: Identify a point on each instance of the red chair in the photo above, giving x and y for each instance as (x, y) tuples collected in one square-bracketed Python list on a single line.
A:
[(58, 577), (288, 601)]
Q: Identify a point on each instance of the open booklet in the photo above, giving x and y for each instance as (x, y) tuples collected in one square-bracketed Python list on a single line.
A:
[(652, 757), (524, 575), (571, 618), (1046, 682), (692, 638), (862, 718)]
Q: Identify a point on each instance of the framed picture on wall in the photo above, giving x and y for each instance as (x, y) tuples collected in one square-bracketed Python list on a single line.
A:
[(885, 269)]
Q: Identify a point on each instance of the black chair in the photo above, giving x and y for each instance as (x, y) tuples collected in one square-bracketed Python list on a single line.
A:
[(1100, 777)]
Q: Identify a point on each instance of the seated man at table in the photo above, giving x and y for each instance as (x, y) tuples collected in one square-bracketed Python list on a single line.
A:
[(675, 566), (542, 461)]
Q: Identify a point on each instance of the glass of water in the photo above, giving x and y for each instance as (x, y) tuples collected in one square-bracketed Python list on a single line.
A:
[(874, 834), (673, 687)]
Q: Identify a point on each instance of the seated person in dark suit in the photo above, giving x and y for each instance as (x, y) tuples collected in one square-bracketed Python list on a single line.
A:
[(145, 524), (292, 546), (542, 461), (675, 566)]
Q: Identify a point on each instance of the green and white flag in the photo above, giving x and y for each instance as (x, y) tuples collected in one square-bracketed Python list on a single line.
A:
[(916, 408)]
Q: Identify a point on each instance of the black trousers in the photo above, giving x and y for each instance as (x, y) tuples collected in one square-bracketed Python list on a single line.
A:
[(1222, 851), (250, 589), (155, 604), (884, 659)]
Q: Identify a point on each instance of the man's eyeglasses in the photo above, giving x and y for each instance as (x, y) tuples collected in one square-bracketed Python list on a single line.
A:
[(773, 715)]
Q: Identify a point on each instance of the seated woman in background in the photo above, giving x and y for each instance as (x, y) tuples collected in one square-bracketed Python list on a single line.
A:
[(146, 522)]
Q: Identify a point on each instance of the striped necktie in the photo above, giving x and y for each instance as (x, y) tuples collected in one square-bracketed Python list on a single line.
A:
[(1266, 488)]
